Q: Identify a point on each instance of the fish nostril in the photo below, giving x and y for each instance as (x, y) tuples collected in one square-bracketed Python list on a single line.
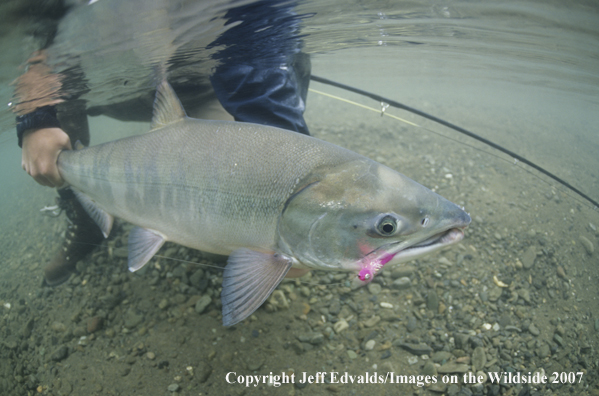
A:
[(425, 221)]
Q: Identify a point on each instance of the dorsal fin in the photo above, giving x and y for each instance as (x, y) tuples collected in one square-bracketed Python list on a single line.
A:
[(167, 107)]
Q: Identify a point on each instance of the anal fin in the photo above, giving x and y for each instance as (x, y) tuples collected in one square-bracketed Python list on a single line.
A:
[(102, 218), (249, 278), (143, 245)]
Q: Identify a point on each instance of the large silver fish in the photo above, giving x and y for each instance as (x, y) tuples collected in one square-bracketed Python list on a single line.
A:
[(270, 198)]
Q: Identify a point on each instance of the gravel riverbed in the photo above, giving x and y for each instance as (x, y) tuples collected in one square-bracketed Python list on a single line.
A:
[(518, 295)]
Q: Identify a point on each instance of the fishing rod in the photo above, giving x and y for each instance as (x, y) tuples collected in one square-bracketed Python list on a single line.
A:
[(461, 130)]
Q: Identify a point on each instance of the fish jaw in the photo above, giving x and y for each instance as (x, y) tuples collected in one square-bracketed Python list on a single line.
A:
[(397, 253)]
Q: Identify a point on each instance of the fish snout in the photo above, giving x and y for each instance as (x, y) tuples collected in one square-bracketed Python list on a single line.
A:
[(457, 217), (464, 219)]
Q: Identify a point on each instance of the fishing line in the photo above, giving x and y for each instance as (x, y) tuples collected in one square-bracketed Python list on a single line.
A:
[(443, 136), (385, 101)]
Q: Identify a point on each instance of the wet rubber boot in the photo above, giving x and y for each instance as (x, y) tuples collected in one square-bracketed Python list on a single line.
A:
[(81, 237)]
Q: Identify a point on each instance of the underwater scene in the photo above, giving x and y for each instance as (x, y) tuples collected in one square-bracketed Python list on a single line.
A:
[(436, 235)]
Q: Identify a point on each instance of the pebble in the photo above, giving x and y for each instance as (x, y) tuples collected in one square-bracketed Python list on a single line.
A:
[(453, 367), (402, 283), (441, 356), (528, 258), (453, 390), (531, 233), (494, 293), (202, 304), (588, 245), (479, 358), (534, 330), (351, 354), (122, 252), (442, 308), (445, 261), (94, 324), (543, 351), (278, 299), (58, 327), (412, 324), (163, 304), (432, 301), (461, 340), (60, 354), (417, 349), (340, 326), (335, 307), (255, 363), (372, 321), (369, 346), (386, 305), (429, 368), (524, 294), (560, 272), (314, 338), (402, 271), (203, 372), (173, 387), (374, 288), (438, 388), (79, 331), (132, 319)]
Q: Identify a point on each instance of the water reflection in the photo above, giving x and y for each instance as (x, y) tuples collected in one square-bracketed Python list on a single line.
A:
[(199, 46)]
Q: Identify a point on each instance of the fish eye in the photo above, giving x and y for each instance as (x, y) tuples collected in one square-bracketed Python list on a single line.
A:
[(387, 226)]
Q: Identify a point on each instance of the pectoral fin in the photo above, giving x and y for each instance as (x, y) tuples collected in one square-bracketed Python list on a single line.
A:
[(143, 245), (102, 219), (249, 278)]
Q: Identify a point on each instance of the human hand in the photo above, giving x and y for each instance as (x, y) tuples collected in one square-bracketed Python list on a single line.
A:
[(41, 148)]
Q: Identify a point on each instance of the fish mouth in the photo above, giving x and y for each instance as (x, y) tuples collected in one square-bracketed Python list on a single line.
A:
[(447, 237), (430, 244)]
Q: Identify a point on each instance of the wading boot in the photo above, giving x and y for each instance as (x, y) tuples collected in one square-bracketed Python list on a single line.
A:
[(81, 237)]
